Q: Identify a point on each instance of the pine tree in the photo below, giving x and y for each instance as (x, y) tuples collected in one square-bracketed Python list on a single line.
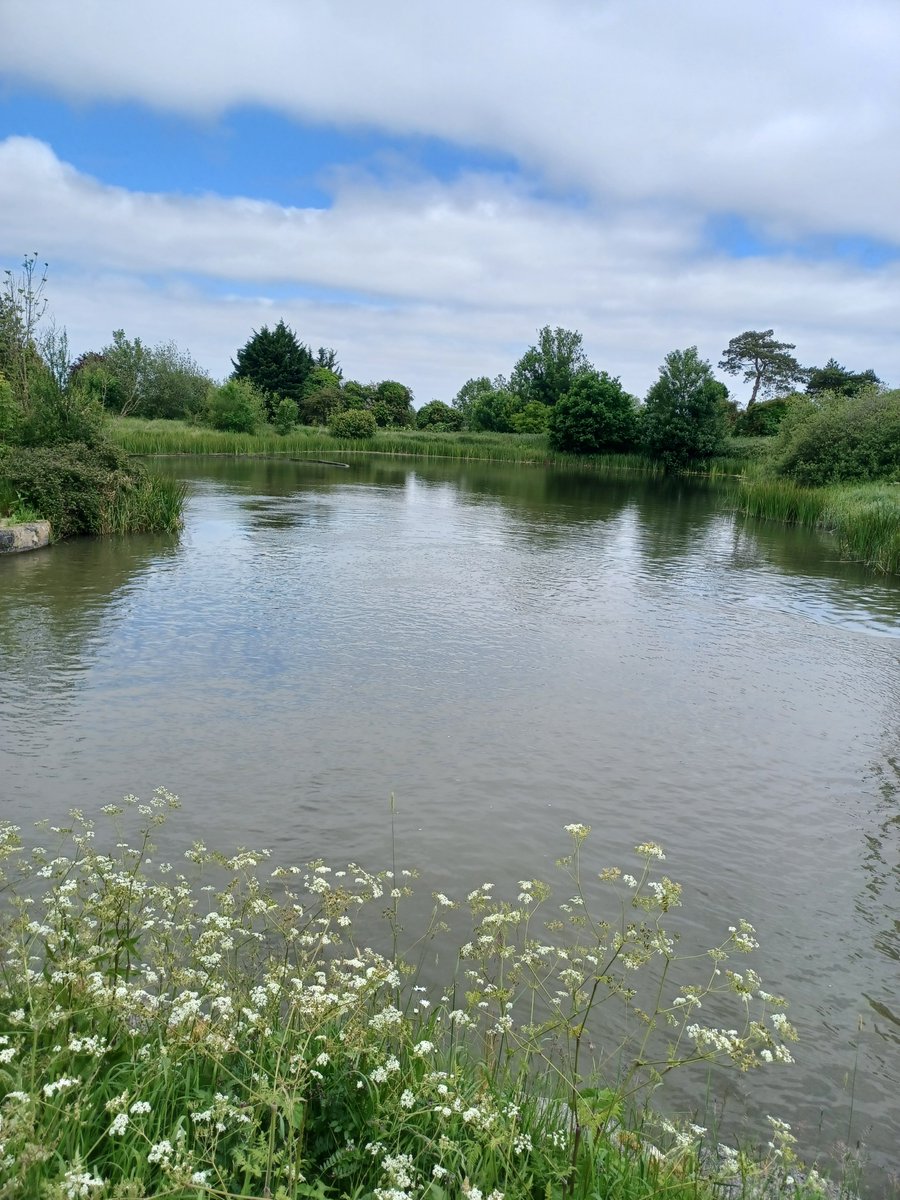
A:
[(276, 362)]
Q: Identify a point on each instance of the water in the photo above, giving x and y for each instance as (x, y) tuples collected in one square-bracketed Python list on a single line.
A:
[(506, 650)]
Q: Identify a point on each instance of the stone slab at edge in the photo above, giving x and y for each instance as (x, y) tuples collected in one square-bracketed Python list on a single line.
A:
[(28, 535)]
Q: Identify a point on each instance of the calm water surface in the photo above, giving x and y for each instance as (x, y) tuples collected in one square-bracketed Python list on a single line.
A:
[(505, 650)]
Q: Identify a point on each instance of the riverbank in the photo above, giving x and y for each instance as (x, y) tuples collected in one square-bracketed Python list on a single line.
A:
[(865, 518), (179, 437), (222, 1032)]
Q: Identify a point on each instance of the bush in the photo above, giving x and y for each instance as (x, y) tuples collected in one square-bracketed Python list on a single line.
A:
[(286, 416), (533, 418), (89, 489), (840, 439), (438, 415), (236, 407), (595, 415), (357, 423), (762, 419)]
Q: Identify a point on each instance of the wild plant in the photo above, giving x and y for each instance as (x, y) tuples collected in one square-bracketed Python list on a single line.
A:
[(217, 1027)]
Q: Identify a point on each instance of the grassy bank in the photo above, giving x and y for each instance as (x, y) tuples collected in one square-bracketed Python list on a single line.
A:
[(88, 489), (225, 1031), (179, 437), (865, 518)]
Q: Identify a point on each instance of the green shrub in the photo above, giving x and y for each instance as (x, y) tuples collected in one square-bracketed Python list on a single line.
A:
[(357, 423), (438, 415), (761, 419), (236, 407), (533, 418), (596, 415), (286, 416), (840, 439), (89, 489)]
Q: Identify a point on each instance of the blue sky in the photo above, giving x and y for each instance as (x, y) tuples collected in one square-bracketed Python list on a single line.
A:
[(423, 188)]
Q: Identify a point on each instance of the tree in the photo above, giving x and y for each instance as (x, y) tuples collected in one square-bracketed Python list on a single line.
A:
[(126, 364), (276, 363), (684, 414), (438, 415), (763, 361), (493, 410), (322, 396), (596, 414), (393, 404), (837, 379), (546, 371), (327, 358), (470, 392)]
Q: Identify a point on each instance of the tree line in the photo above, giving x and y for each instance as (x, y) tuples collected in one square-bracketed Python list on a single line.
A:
[(278, 380)]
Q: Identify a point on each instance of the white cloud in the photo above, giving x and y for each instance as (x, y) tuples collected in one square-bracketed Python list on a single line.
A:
[(786, 113), (430, 284)]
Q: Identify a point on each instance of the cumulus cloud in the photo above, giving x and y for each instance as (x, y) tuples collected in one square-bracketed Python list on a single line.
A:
[(425, 282), (783, 112)]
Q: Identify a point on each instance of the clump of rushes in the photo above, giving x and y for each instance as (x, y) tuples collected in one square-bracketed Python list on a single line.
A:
[(216, 1029)]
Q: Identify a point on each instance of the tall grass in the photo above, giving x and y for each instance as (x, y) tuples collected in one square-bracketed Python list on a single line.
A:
[(865, 518), (152, 504), (178, 437), (218, 1029)]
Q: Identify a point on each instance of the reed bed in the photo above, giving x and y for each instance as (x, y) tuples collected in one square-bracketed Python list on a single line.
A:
[(865, 518), (216, 1027), (153, 504), (178, 437)]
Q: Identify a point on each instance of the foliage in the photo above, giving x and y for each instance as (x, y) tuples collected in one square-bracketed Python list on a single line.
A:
[(94, 489), (223, 1029), (840, 438), (438, 415), (534, 417), (235, 406), (132, 379), (393, 405), (546, 371), (762, 419), (357, 423), (835, 378), (683, 419), (595, 415), (22, 308), (174, 385), (276, 363), (493, 410), (326, 359), (58, 415), (286, 416), (125, 364), (470, 392), (322, 396), (761, 359), (865, 518)]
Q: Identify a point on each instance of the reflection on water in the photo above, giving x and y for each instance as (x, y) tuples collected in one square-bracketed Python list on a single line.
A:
[(506, 650)]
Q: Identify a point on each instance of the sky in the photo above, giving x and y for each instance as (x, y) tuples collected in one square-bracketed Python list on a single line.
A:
[(422, 186)]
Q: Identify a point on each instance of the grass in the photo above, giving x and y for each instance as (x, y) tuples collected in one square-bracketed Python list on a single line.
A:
[(865, 518), (13, 508), (219, 1028), (179, 437), (152, 504)]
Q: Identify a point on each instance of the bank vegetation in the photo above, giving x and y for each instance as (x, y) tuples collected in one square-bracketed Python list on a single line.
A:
[(224, 1026)]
